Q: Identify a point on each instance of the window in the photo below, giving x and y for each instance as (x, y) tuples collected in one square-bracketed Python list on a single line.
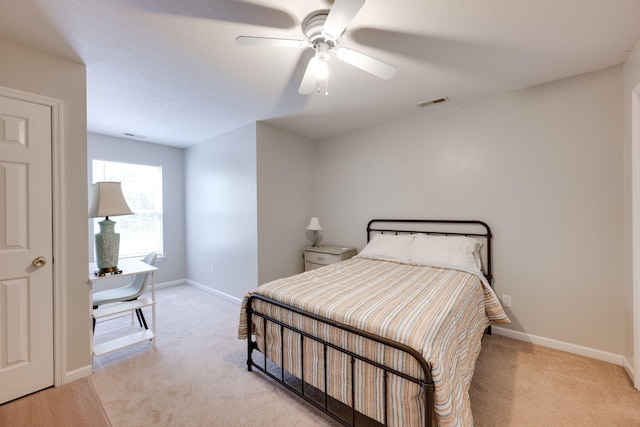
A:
[(140, 233)]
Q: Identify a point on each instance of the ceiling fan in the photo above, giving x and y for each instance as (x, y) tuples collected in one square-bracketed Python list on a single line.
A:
[(322, 30)]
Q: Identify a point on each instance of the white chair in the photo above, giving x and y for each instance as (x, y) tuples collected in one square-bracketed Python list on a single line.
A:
[(129, 292)]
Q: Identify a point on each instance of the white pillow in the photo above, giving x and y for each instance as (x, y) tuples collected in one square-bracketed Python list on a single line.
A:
[(456, 251), (389, 246)]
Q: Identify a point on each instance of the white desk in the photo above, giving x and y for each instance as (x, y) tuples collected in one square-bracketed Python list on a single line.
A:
[(129, 267)]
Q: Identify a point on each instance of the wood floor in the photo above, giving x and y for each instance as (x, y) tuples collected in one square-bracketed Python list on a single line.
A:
[(74, 404)]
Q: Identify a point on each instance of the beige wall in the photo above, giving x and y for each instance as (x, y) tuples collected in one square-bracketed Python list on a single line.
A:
[(249, 196), (543, 166), (631, 81), (39, 73), (286, 196), (221, 212)]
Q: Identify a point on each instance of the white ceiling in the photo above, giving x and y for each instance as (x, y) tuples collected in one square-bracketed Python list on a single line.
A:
[(171, 71)]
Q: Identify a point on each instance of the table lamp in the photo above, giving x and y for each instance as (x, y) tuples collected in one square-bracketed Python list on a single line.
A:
[(314, 225), (107, 200)]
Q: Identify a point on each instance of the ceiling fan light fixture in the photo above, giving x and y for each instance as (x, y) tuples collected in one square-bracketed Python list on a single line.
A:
[(322, 68), (322, 53), (322, 79)]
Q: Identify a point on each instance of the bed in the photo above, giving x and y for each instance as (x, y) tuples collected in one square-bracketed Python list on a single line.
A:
[(389, 337)]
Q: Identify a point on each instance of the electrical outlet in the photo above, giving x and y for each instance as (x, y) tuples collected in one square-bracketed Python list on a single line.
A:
[(212, 270), (506, 300)]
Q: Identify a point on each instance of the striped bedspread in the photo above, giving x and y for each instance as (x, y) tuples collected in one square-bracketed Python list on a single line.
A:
[(440, 312)]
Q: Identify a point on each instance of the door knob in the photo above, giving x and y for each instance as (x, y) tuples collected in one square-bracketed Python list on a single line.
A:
[(40, 261)]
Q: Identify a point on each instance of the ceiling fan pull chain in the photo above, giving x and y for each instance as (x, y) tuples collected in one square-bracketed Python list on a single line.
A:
[(323, 86)]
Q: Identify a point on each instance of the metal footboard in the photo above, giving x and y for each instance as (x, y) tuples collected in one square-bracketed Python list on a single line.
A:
[(424, 381)]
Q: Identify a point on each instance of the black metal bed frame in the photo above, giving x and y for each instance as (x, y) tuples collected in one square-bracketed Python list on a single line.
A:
[(425, 382)]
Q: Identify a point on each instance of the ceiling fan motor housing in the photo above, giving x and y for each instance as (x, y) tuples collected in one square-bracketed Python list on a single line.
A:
[(313, 27)]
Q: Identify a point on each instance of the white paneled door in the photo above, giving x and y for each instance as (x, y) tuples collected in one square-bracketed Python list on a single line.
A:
[(26, 247)]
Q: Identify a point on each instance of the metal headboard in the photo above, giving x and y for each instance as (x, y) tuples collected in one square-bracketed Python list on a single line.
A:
[(477, 229)]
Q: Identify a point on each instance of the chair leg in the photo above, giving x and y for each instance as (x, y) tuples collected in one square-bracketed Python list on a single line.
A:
[(94, 320), (141, 319)]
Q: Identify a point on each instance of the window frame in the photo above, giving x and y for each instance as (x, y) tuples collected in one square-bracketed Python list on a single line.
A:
[(124, 230)]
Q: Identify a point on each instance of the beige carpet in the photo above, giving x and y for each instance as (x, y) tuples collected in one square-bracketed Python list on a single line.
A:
[(521, 384), (196, 375)]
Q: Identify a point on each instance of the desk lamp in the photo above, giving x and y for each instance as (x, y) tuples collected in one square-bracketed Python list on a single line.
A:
[(314, 225), (107, 200)]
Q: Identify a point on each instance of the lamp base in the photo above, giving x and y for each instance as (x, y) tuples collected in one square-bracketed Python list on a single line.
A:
[(107, 270), (107, 249)]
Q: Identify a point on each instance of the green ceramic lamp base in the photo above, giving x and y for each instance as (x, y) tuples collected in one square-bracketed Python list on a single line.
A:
[(107, 248)]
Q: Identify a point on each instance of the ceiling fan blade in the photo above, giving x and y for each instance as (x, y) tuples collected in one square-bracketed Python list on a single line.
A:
[(366, 63), (310, 77), (268, 41), (340, 15), (221, 10)]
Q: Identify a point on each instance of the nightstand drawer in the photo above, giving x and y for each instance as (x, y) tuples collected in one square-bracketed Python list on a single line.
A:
[(323, 258), (319, 256)]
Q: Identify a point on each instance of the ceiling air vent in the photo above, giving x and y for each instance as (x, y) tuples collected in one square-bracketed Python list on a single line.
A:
[(433, 102), (133, 135)]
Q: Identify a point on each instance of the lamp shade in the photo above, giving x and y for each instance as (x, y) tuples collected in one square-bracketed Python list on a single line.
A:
[(107, 200), (314, 224)]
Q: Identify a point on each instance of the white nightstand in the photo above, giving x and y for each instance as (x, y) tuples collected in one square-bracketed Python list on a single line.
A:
[(319, 256)]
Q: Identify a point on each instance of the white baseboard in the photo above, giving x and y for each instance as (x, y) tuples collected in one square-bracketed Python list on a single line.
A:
[(628, 367), (147, 292), (214, 291), (616, 359), (169, 284), (592, 353), (76, 374), (199, 286)]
